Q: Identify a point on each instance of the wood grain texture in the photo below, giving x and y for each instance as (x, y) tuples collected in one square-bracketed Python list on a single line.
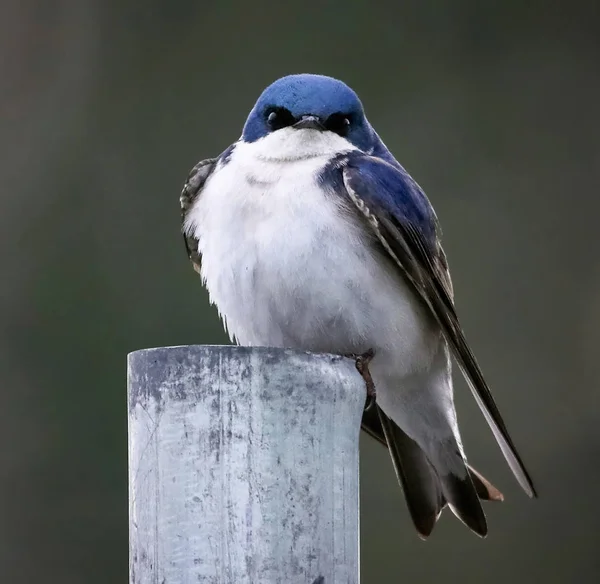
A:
[(243, 466)]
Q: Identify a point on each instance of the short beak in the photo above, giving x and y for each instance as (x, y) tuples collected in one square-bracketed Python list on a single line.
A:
[(309, 122)]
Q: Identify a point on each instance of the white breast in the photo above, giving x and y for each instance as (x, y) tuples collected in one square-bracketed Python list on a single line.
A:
[(288, 265)]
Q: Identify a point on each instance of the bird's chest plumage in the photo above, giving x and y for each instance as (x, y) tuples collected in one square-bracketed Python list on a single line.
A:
[(289, 264)]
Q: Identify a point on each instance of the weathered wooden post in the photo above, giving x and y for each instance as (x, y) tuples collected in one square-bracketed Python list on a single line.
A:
[(243, 466)]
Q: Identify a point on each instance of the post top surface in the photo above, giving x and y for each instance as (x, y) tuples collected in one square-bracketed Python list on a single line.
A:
[(183, 372), (229, 349)]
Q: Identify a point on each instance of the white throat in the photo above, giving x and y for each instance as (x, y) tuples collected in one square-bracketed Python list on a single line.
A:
[(288, 145)]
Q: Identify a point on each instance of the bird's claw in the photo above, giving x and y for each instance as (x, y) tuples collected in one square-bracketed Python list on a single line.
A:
[(362, 366)]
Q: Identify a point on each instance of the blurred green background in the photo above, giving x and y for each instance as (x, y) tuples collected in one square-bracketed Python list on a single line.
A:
[(106, 105)]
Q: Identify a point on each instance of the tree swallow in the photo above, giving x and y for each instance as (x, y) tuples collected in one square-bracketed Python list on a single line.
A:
[(309, 234)]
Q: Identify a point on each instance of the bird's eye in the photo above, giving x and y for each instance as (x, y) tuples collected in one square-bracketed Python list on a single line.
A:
[(278, 118), (338, 123)]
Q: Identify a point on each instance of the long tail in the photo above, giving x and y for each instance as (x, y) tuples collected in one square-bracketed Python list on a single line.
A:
[(426, 491)]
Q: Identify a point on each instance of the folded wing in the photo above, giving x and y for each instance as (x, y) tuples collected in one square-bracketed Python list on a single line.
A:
[(405, 225)]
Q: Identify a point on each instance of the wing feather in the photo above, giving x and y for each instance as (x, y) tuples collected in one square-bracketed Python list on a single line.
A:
[(423, 263), (191, 190)]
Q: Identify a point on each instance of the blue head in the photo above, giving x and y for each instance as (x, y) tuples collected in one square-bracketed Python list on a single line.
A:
[(314, 102)]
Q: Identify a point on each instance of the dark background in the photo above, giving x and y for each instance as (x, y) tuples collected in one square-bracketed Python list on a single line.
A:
[(105, 106)]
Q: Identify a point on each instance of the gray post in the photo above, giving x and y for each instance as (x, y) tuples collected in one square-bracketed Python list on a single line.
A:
[(243, 466)]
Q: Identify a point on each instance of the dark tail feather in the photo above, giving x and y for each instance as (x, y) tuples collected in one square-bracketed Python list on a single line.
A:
[(462, 498), (485, 490), (417, 477), (425, 490)]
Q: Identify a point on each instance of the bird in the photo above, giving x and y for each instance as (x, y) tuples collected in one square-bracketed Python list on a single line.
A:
[(309, 234)]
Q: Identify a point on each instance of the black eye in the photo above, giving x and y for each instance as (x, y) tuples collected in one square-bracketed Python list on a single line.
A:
[(338, 123), (279, 117)]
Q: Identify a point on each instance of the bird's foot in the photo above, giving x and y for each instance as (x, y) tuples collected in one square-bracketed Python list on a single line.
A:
[(362, 366)]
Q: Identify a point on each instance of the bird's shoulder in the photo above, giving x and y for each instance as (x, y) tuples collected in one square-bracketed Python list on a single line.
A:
[(384, 191)]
